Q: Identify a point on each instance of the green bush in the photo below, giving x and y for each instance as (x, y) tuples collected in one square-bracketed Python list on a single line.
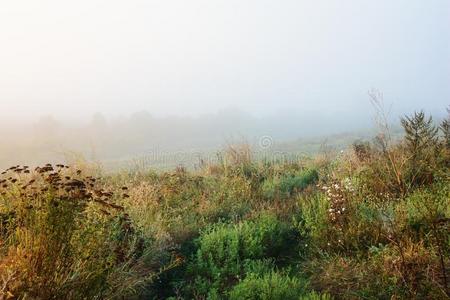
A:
[(285, 185), (269, 286), (314, 220), (315, 296), (225, 251)]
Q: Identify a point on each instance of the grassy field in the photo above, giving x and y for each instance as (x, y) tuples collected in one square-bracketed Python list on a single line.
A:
[(371, 222)]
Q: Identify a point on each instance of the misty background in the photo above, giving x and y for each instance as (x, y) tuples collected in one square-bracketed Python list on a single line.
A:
[(112, 80)]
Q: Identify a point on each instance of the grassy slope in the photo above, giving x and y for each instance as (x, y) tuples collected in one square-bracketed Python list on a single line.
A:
[(370, 223)]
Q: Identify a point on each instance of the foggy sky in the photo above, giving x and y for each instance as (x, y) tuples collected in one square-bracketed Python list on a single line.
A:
[(169, 57)]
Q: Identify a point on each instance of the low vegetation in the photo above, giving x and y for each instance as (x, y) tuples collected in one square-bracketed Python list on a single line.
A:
[(369, 223)]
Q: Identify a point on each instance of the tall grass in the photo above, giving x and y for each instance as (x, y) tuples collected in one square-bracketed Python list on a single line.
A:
[(62, 235)]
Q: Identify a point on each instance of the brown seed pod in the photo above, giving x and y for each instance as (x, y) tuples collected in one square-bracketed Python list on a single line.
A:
[(76, 183), (102, 202), (108, 194), (118, 207), (98, 193), (104, 212)]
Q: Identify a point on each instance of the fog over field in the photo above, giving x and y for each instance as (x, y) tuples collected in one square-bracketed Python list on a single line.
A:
[(112, 79), (224, 149)]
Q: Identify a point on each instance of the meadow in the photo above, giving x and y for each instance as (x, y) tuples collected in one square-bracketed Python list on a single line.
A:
[(371, 222)]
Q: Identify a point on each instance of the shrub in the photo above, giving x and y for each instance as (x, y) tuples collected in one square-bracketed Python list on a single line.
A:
[(421, 139), (314, 220), (315, 296), (414, 162), (225, 250), (285, 185), (269, 286)]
